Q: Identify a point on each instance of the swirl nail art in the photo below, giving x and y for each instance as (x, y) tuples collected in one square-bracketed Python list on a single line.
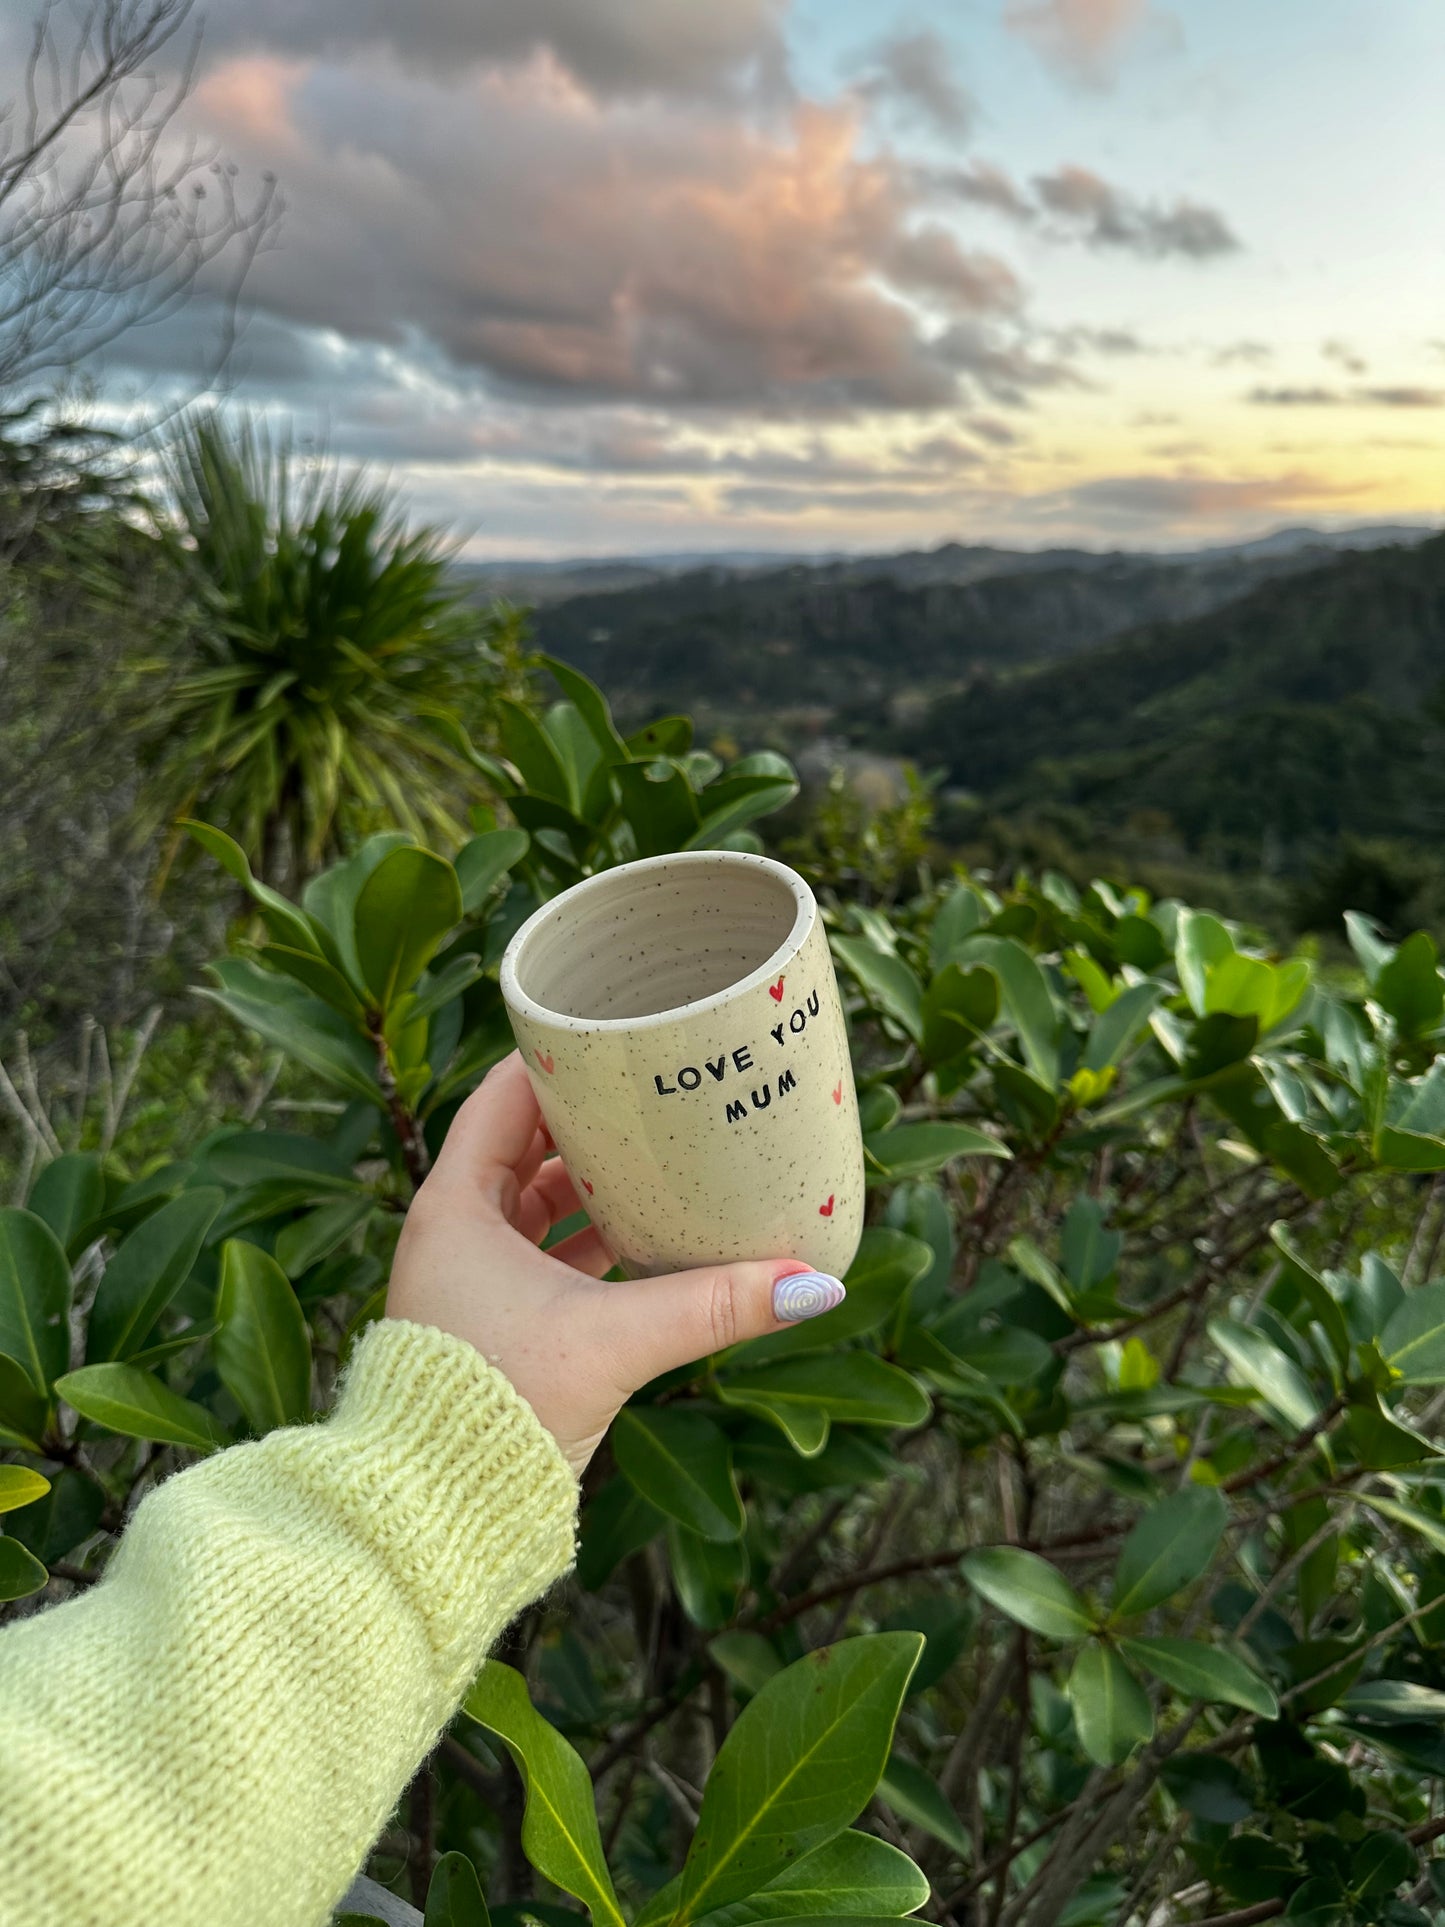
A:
[(805, 1294)]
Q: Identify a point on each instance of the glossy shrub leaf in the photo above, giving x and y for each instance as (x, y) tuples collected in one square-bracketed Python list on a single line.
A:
[(147, 1271), (1168, 1548), (24, 1408), (483, 862), (21, 1573), (1413, 1341), (1203, 1673), (306, 1241), (69, 1195), (454, 1895), (917, 1798), (1394, 1702), (958, 1007), (302, 1025), (52, 1527), (1028, 1589), (1410, 986), (1111, 1709), (708, 1574), (679, 1461), (124, 1399), (559, 1828), (748, 1659), (1120, 1026), (1256, 1362), (404, 909), (915, 1150), (262, 1345), (854, 1388), (1201, 945), (659, 804), (617, 1521), (1027, 1000), (255, 1157), (285, 922), (34, 1297), (801, 1761), (887, 982), (20, 1486), (1411, 1135), (852, 1874)]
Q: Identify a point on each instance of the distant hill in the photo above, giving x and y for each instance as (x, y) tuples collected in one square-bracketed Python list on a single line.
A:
[(853, 639), (1308, 709)]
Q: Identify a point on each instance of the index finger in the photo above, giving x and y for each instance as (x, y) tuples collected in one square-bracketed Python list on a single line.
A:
[(494, 1129)]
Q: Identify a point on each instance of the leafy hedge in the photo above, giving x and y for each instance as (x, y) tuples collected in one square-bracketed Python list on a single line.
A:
[(1090, 1557)]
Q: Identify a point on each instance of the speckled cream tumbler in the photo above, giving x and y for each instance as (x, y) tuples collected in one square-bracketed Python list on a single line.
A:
[(681, 1023)]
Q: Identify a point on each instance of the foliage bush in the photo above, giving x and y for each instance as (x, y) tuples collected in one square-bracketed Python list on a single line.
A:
[(1087, 1565)]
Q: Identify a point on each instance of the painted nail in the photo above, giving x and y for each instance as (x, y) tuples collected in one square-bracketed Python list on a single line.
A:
[(805, 1294)]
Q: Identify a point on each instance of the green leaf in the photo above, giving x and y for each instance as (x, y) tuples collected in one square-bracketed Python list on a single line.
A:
[(323, 979), (887, 981), (659, 805), (454, 1897), (1430, 1529), (708, 1575), (20, 1486), (21, 1573), (406, 907), (1111, 1709), (484, 861), (124, 1399), (1121, 1025), (591, 705), (618, 1521), (1316, 1293), (147, 1271), (1203, 1673), (1367, 943), (960, 914), (1411, 1136), (1394, 1702), (853, 1874), (330, 899), (308, 1240), (747, 1658), (559, 1829), (1410, 987), (24, 1408), (741, 796), (251, 1157), (1201, 945), (801, 1761), (1088, 1249), (69, 1513), (1028, 1589), (1168, 1548), (528, 745), (913, 1150), (263, 1346), (285, 922), (69, 1195), (916, 1797), (305, 1028), (34, 1297), (1413, 1341), (680, 1462), (958, 1007), (1258, 1363), (1382, 1862), (855, 1388), (1027, 999)]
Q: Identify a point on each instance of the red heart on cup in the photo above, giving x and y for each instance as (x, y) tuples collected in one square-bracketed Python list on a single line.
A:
[(548, 1062), (826, 1210), (775, 991), (837, 1093), (586, 1186)]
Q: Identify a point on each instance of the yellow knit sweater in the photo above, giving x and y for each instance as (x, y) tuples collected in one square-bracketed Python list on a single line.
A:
[(215, 1734)]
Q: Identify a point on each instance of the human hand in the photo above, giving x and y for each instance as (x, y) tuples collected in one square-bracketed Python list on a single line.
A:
[(576, 1348)]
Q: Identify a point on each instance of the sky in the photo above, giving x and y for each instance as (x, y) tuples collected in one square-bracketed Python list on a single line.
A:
[(625, 276)]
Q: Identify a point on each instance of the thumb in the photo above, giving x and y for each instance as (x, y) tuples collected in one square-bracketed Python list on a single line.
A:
[(656, 1324)]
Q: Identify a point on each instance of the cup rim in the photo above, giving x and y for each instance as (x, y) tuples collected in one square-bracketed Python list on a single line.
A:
[(805, 915)]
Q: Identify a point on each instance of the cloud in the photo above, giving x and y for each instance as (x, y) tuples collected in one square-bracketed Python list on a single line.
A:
[(1103, 216), (1076, 204), (1079, 39), (613, 47), (1404, 396), (566, 248), (914, 72), (1344, 356), (1255, 354), (1189, 497)]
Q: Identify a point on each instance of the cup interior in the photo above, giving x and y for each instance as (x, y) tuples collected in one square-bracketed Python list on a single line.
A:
[(648, 938)]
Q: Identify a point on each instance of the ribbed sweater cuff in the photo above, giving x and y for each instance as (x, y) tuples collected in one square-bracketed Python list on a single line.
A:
[(454, 1481)]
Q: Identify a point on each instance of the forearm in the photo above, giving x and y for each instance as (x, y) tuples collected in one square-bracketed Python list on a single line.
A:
[(219, 1730)]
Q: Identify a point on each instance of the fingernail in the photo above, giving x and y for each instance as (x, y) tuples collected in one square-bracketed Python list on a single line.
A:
[(805, 1294)]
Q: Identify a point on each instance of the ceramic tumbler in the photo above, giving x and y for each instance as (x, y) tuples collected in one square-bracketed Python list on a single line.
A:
[(682, 1026)]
